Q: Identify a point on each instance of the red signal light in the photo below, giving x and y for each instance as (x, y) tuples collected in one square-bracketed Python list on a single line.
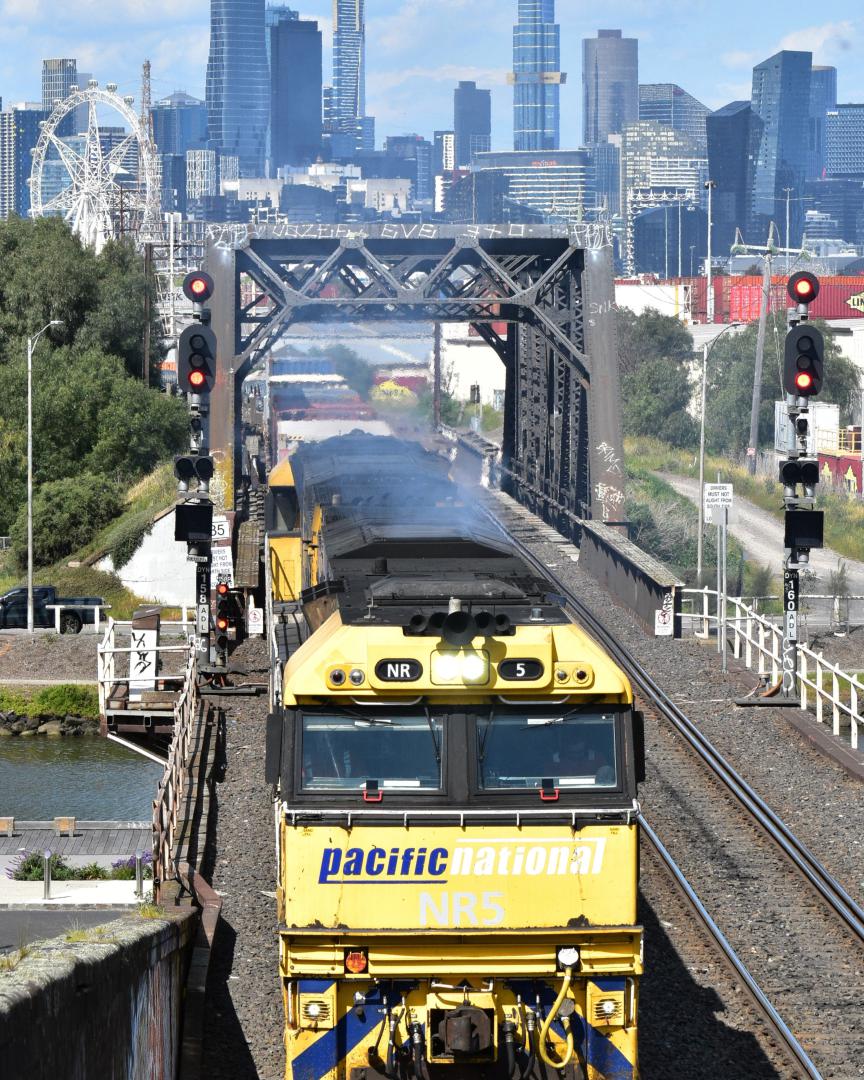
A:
[(197, 378), (198, 286), (222, 588), (804, 381), (803, 289), (221, 623)]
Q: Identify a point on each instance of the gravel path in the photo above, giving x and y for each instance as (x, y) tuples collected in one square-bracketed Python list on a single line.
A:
[(244, 1020), (739, 877), (761, 535), (47, 656)]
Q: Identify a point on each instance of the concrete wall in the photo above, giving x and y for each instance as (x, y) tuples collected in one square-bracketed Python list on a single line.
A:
[(106, 1008), (158, 570), (641, 583)]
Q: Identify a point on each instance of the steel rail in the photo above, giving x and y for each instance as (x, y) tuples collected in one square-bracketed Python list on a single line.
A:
[(773, 1018), (832, 892)]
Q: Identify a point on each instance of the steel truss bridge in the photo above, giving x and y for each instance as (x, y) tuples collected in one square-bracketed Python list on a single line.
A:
[(541, 296)]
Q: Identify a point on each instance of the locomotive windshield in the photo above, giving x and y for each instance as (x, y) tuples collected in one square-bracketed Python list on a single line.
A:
[(522, 749), (342, 752)]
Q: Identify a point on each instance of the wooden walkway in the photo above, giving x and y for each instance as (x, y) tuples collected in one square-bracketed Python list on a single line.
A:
[(99, 840)]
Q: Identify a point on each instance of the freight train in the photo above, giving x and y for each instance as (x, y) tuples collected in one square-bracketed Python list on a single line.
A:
[(455, 767)]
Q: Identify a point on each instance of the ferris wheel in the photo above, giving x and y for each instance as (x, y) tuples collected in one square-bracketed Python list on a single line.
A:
[(104, 182)]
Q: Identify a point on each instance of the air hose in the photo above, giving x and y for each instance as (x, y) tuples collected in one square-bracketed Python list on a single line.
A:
[(547, 1024)]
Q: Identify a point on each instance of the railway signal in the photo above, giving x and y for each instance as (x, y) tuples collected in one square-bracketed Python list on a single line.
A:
[(803, 373), (189, 467), (196, 360), (198, 286), (804, 361)]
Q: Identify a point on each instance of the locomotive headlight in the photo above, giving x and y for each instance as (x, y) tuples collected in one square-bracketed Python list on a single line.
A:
[(356, 676), (456, 668), (568, 956), (313, 1010)]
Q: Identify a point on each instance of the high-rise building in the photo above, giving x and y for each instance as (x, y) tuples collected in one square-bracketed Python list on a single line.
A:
[(19, 133), (82, 113), (238, 83), (443, 152), (179, 123), (349, 63), (559, 187), (659, 167), (781, 99), (610, 85), (296, 88), (472, 122), (536, 77), (823, 99), (58, 76), (845, 142), (667, 103), (734, 133), (418, 151)]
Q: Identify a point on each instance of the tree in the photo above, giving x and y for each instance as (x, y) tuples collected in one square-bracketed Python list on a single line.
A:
[(66, 515), (730, 385), (655, 353)]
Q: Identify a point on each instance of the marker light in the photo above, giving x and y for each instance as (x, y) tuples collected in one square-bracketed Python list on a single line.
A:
[(568, 956), (356, 961), (458, 668), (356, 676)]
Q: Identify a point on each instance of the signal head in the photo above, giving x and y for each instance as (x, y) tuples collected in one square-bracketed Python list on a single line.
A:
[(803, 287), (198, 286)]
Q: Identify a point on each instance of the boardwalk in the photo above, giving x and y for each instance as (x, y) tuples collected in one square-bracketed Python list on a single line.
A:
[(94, 841)]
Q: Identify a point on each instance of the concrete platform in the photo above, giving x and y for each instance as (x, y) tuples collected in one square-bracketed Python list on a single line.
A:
[(69, 894)]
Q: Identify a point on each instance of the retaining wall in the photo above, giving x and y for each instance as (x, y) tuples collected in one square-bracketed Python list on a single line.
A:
[(107, 1008), (641, 583)]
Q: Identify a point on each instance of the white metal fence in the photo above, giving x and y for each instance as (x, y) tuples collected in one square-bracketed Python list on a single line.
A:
[(823, 687)]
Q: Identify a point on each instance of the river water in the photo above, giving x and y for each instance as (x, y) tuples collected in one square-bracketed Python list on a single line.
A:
[(85, 777)]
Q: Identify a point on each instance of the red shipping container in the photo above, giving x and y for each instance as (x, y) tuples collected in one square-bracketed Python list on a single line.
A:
[(844, 472)]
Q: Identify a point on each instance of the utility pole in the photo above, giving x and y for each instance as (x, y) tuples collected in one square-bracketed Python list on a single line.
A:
[(788, 191), (710, 185)]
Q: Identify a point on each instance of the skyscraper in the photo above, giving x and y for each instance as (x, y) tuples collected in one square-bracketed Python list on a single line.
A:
[(823, 99), (58, 76), (536, 77), (846, 142), (781, 99), (19, 133), (472, 122), (238, 83), (296, 85), (349, 63), (610, 85), (179, 123), (667, 103), (734, 133)]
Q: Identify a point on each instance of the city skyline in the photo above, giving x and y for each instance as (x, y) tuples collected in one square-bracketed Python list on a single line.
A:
[(410, 80)]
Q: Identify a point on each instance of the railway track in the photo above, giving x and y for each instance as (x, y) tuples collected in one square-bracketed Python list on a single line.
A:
[(846, 916)]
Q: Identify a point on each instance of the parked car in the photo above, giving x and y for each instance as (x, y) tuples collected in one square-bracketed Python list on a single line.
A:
[(13, 609)]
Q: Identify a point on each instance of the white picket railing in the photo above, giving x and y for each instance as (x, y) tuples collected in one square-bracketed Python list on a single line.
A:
[(758, 641)]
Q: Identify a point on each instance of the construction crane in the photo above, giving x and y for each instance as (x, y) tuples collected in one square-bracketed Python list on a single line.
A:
[(767, 251)]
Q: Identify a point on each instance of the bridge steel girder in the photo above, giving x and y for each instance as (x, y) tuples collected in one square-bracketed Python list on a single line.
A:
[(553, 288)]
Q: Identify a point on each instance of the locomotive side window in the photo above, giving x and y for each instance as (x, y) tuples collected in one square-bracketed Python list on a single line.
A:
[(520, 750), (342, 752)]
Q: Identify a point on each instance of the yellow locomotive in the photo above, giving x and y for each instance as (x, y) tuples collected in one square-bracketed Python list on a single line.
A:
[(455, 766)]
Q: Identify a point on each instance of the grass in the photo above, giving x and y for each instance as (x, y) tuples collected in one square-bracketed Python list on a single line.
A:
[(10, 961), (60, 700), (844, 518), (151, 911)]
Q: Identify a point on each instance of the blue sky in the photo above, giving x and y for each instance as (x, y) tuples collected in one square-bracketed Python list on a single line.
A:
[(418, 49)]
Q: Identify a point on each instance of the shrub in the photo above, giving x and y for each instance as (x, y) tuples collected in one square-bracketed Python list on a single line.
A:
[(128, 537), (28, 866), (66, 700), (66, 515)]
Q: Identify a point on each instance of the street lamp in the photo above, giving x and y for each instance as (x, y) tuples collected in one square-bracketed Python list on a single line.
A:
[(710, 185), (31, 345), (706, 350)]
